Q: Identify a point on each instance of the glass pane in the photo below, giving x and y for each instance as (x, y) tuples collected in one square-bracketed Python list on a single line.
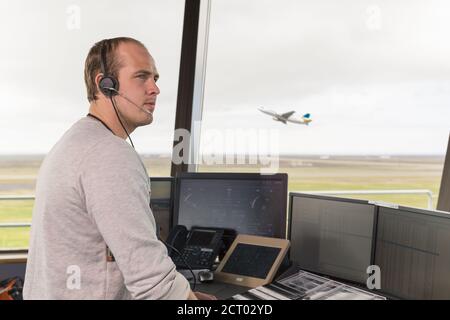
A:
[(372, 75), (42, 85)]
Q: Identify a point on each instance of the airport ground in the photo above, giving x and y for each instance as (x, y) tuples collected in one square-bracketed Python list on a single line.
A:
[(306, 173)]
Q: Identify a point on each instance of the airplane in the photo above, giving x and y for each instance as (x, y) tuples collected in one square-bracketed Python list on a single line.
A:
[(286, 117)]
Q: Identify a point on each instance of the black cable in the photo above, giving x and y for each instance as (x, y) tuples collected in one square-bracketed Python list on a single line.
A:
[(184, 261), (167, 245), (118, 117)]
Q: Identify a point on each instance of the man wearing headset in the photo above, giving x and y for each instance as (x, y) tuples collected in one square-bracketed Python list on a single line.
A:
[(93, 234)]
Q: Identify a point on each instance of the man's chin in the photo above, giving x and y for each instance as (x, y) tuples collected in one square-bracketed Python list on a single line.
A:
[(147, 121)]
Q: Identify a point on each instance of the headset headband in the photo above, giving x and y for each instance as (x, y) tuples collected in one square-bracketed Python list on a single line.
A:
[(103, 58), (108, 84)]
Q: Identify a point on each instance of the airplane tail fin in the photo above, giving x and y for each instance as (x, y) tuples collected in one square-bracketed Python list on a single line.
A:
[(307, 118)]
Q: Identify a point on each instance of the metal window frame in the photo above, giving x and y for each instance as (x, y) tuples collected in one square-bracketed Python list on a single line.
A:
[(444, 192), (191, 81)]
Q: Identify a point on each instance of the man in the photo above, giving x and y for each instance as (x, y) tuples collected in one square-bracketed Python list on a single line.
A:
[(93, 233)]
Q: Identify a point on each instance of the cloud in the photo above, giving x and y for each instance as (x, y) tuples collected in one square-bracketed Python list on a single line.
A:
[(375, 75)]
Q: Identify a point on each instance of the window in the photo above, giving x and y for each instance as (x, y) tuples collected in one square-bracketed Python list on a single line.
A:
[(373, 75), (43, 93)]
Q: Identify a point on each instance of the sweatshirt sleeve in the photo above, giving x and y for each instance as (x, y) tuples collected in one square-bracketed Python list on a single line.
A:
[(117, 194)]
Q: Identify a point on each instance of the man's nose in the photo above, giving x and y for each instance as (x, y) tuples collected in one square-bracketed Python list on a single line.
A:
[(153, 88)]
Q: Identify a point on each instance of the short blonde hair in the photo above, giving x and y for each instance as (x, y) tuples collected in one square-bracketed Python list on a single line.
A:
[(92, 65)]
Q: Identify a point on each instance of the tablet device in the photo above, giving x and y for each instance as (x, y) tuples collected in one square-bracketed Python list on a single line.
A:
[(252, 261)]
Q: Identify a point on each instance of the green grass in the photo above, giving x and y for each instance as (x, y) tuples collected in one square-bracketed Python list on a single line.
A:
[(14, 238), (412, 200), (305, 174), (16, 210)]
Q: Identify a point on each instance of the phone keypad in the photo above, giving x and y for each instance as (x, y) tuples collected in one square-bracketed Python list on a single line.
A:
[(195, 257)]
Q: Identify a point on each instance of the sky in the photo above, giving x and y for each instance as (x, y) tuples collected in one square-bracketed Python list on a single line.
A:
[(374, 75)]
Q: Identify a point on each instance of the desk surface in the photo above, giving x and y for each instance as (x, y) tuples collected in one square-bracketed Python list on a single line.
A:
[(224, 290), (221, 290)]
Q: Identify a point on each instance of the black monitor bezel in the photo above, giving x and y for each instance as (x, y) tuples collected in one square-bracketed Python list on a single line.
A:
[(398, 209), (172, 181), (339, 199), (283, 177)]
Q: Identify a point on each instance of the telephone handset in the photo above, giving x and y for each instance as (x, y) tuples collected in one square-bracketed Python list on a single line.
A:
[(199, 246)]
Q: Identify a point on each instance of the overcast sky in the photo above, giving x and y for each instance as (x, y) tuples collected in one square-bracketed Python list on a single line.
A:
[(375, 75)]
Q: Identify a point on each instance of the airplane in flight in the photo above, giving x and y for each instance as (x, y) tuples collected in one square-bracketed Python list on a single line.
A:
[(286, 117)]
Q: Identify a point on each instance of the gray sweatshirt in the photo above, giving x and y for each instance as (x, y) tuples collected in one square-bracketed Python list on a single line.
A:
[(93, 192)]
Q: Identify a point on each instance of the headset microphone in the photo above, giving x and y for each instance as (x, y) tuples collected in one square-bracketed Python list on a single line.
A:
[(128, 99)]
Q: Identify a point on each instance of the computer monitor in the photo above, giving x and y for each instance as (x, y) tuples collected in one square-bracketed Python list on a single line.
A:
[(413, 253), (248, 203), (332, 236), (161, 204)]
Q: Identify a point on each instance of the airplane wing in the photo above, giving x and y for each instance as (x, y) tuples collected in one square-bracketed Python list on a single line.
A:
[(287, 114), (269, 112)]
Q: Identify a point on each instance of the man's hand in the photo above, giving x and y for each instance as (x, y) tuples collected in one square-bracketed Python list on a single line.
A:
[(200, 296), (204, 296), (192, 296)]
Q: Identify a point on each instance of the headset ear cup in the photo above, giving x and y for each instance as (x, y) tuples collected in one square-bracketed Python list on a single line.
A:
[(106, 83)]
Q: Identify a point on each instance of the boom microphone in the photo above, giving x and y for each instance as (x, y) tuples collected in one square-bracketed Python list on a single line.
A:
[(129, 100)]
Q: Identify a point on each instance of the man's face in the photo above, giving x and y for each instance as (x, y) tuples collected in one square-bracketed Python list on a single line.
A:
[(137, 78)]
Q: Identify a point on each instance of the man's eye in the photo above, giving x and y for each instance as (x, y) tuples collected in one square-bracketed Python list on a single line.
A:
[(142, 76)]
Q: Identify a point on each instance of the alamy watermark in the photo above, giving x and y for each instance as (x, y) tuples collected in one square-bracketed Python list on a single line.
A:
[(373, 18), (374, 279), (237, 146), (73, 21), (74, 277)]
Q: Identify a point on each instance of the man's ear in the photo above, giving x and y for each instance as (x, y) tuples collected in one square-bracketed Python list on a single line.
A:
[(97, 79)]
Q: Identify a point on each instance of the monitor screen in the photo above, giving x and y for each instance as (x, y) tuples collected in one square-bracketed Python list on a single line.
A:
[(332, 236), (161, 188), (250, 204), (161, 204), (413, 253)]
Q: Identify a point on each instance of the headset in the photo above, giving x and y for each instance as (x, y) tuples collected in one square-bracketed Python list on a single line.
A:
[(109, 85)]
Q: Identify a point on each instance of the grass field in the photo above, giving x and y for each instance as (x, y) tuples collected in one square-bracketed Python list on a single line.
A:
[(18, 177)]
